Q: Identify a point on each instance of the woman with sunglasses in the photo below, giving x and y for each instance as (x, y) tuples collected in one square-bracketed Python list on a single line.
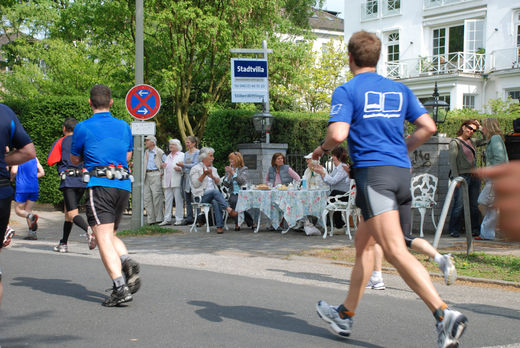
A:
[(463, 159)]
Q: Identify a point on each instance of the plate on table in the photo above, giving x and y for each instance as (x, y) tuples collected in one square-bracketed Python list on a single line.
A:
[(261, 187)]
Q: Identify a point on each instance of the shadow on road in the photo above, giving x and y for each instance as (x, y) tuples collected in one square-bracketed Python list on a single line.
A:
[(490, 310), (34, 340), (312, 276), (61, 287), (269, 318)]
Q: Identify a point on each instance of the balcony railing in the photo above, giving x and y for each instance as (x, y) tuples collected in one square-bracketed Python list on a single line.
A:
[(438, 3), (506, 59), (438, 64)]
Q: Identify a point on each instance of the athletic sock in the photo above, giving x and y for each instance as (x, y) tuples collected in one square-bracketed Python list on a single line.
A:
[(123, 258), (438, 258), (344, 312), (78, 220), (376, 275), (439, 312), (67, 227), (119, 282)]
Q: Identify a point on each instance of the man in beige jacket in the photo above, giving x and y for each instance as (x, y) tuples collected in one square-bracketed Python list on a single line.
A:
[(153, 192)]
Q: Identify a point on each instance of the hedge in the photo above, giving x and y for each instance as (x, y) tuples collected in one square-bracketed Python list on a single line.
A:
[(225, 129)]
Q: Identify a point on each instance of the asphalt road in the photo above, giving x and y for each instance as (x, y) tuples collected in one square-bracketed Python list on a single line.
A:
[(53, 300)]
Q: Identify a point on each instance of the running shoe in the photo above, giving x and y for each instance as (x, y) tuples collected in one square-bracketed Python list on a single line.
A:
[(91, 238), (338, 326), (376, 284), (451, 328), (447, 267), (61, 248), (119, 295), (9, 234), (131, 270), (32, 222)]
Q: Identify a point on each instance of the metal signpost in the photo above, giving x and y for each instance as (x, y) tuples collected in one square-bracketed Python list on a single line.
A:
[(143, 103)]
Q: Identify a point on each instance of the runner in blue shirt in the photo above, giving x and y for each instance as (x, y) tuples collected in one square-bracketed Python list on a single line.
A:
[(13, 137), (104, 144), (370, 111)]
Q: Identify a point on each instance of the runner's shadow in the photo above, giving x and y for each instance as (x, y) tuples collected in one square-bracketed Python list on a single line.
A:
[(480, 308), (269, 318), (312, 276), (61, 287)]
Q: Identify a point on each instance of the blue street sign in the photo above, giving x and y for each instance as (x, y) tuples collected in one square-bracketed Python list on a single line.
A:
[(250, 68)]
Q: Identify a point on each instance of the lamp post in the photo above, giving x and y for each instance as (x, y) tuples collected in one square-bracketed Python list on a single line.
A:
[(263, 122), (436, 107)]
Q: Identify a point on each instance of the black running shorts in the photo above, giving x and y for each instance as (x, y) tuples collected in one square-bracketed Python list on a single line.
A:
[(72, 196), (105, 205), (384, 188)]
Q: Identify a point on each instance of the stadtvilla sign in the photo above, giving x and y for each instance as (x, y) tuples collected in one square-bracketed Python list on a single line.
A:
[(249, 80)]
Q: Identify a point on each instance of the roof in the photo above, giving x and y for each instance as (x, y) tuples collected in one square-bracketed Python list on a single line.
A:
[(326, 20)]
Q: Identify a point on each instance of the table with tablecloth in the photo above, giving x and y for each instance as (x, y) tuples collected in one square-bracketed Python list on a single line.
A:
[(291, 205)]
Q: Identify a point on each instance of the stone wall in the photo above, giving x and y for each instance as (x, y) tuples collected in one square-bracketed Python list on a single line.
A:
[(257, 158)]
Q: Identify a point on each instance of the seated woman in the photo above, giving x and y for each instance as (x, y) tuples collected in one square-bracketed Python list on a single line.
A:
[(338, 180), (313, 179), (204, 180), (235, 178), (279, 172)]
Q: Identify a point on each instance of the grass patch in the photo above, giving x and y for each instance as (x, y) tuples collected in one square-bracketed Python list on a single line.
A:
[(477, 265), (147, 230)]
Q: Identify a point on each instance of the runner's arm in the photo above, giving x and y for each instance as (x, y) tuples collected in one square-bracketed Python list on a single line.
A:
[(76, 159), (20, 156), (425, 128), (337, 132)]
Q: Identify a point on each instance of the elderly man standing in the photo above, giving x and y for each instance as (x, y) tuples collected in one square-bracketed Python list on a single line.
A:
[(204, 180), (153, 192)]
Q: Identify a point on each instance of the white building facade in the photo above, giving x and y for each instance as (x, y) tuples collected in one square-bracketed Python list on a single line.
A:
[(471, 48)]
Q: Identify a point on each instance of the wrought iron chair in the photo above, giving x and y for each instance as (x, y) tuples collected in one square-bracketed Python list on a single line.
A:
[(348, 209), (423, 189)]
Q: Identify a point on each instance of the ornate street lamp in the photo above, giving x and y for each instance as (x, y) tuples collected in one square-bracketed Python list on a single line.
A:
[(436, 107), (263, 122)]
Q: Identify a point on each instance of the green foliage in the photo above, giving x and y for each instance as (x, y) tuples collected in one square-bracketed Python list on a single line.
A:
[(500, 106), (146, 230), (42, 118)]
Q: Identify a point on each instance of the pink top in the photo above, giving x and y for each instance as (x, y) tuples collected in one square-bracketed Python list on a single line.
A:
[(278, 181)]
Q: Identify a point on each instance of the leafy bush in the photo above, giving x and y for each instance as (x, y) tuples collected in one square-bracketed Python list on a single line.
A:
[(42, 118)]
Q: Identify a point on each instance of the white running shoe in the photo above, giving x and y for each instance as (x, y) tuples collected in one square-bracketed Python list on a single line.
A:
[(61, 248), (164, 223), (338, 326), (447, 267), (376, 284), (450, 329)]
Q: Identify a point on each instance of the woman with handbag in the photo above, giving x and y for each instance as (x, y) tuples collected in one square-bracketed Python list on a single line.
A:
[(496, 153)]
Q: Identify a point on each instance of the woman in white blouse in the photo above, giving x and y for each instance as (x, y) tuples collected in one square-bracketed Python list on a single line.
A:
[(338, 179), (172, 183)]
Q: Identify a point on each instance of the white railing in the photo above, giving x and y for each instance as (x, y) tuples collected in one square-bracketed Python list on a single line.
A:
[(438, 3), (508, 58), (438, 64)]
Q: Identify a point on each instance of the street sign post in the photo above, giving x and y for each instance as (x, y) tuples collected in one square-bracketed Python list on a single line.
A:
[(142, 128), (143, 102)]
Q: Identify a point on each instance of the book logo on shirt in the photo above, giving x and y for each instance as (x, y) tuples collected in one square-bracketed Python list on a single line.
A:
[(334, 109), (387, 104)]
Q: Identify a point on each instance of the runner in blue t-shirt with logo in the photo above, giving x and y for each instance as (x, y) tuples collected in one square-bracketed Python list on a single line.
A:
[(104, 144), (370, 112)]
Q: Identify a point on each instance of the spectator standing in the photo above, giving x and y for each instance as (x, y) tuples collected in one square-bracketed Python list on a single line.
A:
[(172, 183), (27, 175), (463, 159), (191, 158), (313, 179), (496, 153), (12, 135), (153, 193)]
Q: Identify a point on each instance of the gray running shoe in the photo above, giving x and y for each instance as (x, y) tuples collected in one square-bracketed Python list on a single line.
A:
[(447, 267), (450, 329), (376, 284), (32, 220), (119, 295), (338, 326), (61, 248), (131, 270), (31, 236)]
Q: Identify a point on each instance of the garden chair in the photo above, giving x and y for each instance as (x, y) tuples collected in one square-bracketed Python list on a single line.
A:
[(423, 189)]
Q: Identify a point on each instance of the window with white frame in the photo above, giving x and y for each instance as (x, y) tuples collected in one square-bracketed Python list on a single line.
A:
[(391, 7), (514, 94), (369, 9), (392, 56), (468, 101)]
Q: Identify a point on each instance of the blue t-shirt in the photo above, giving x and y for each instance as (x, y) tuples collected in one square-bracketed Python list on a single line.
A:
[(60, 155), (13, 135), (103, 140), (376, 108), (27, 177)]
